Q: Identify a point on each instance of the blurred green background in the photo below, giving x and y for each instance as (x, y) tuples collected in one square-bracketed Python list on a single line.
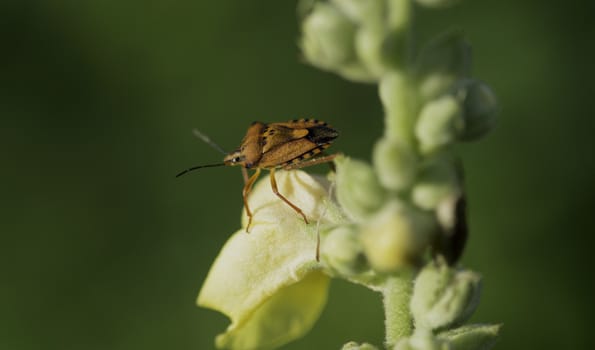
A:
[(103, 249)]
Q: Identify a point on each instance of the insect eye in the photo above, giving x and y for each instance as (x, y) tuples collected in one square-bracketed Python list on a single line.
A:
[(236, 159)]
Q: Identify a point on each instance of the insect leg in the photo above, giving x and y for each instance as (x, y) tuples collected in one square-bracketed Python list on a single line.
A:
[(276, 191), (311, 162), (246, 192), (245, 175)]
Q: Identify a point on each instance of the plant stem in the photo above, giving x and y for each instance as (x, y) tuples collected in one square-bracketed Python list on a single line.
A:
[(396, 296), (397, 94), (398, 101)]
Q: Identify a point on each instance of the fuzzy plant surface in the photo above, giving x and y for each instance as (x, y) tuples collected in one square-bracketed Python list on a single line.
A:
[(396, 225)]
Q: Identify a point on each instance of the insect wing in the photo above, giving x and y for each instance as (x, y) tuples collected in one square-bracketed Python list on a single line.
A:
[(318, 131), (286, 153), (294, 141)]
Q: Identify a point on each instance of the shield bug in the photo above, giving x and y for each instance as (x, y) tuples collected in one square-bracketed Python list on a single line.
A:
[(289, 145)]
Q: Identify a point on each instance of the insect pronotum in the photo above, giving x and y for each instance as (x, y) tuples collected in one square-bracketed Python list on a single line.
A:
[(290, 145)]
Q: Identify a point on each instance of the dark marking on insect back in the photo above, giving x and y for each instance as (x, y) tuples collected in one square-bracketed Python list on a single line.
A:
[(321, 134)]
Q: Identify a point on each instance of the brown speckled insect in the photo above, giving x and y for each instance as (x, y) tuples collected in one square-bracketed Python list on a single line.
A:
[(290, 145)]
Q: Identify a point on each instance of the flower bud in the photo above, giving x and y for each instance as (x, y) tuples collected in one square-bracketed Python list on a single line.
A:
[(328, 37), (396, 237), (440, 123), (395, 164), (358, 191), (437, 181), (441, 63), (342, 251), (355, 71), (367, 13), (368, 44), (479, 108), (471, 337), (443, 297)]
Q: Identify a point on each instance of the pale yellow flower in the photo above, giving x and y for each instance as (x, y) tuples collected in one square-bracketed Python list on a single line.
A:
[(268, 281)]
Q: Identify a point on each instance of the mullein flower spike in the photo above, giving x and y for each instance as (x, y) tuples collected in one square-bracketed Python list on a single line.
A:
[(397, 225)]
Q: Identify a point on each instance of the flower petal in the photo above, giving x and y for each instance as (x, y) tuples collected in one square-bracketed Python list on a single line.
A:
[(268, 281), (307, 192), (287, 315)]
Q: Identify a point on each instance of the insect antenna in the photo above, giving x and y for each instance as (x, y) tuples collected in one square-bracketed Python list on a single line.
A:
[(208, 140), (199, 167)]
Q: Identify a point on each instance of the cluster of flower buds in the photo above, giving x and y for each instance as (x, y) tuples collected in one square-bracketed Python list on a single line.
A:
[(411, 197), (406, 209)]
